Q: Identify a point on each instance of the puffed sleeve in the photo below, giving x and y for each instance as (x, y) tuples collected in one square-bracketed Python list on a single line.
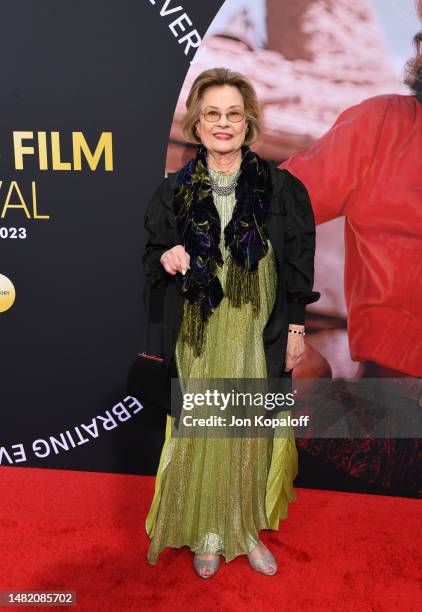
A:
[(334, 166), (299, 248), (159, 223)]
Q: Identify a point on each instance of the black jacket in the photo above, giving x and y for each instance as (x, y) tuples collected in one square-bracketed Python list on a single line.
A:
[(291, 228)]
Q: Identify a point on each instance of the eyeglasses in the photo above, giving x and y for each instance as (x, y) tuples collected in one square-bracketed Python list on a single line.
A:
[(213, 115)]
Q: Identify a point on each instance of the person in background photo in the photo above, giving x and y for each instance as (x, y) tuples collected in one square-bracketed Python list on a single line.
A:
[(232, 240), (368, 168)]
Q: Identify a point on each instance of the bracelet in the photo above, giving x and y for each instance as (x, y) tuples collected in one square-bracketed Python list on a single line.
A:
[(296, 331)]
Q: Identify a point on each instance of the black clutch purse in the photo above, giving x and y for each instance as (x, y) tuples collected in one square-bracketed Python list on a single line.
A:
[(147, 379)]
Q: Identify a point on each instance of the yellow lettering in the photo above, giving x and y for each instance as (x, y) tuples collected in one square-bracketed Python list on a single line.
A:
[(104, 145), (34, 203), (7, 205), (55, 153), (19, 149), (42, 150)]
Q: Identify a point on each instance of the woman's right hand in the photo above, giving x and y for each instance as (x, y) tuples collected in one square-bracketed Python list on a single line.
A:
[(175, 260)]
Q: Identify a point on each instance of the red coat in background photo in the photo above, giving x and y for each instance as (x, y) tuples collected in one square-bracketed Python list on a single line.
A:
[(368, 168)]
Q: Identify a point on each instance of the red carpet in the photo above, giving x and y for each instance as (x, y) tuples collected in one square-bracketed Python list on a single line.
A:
[(85, 532)]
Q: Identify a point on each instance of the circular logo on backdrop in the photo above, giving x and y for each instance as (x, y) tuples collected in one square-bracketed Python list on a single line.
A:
[(7, 293)]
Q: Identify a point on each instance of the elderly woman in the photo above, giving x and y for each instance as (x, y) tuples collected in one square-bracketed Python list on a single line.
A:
[(234, 307)]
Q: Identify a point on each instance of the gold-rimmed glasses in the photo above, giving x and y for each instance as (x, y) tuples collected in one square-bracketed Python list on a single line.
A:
[(212, 115)]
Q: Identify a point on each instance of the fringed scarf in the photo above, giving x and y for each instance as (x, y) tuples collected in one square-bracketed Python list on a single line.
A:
[(245, 236)]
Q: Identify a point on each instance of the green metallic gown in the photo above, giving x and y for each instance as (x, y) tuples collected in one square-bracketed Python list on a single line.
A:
[(215, 494)]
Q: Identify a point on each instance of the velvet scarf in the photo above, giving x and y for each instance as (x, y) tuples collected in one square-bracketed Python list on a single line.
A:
[(199, 228)]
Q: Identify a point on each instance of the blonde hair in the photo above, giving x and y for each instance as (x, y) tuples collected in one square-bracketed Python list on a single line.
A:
[(220, 77)]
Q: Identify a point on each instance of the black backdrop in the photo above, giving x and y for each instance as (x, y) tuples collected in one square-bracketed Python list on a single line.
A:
[(76, 324)]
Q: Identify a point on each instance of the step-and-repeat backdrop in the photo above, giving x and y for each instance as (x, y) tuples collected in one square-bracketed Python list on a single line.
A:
[(92, 99)]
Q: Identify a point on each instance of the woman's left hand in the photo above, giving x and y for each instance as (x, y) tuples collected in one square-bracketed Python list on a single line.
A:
[(295, 348)]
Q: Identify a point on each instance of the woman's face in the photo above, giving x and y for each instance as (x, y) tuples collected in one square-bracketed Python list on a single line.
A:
[(223, 135)]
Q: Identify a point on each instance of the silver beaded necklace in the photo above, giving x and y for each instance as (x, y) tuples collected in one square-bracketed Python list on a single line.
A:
[(224, 190)]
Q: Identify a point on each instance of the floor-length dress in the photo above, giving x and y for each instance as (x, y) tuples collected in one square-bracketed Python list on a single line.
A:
[(215, 494)]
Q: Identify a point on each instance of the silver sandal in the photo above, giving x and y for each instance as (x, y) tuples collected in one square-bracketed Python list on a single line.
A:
[(262, 564), (201, 564)]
